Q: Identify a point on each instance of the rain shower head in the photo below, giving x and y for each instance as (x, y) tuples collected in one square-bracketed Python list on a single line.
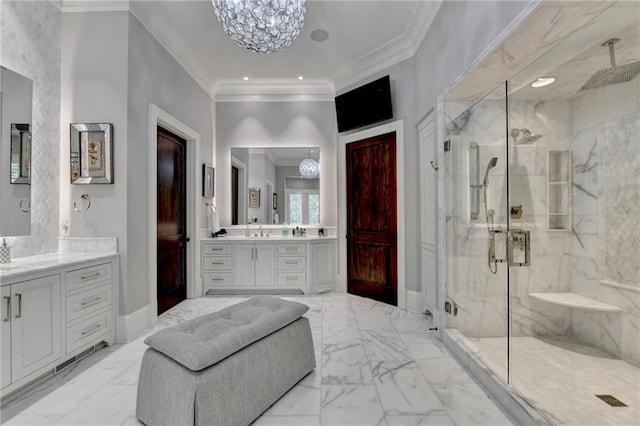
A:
[(615, 74), (524, 136)]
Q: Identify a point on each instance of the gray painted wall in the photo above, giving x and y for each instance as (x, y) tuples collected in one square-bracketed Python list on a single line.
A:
[(155, 77), (277, 124)]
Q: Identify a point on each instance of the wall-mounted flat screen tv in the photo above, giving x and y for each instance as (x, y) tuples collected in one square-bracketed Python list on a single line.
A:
[(365, 105)]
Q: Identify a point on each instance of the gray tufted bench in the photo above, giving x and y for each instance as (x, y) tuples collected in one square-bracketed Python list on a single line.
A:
[(227, 367)]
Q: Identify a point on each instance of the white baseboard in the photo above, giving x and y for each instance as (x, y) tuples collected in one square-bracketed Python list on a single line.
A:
[(414, 301), (130, 326)]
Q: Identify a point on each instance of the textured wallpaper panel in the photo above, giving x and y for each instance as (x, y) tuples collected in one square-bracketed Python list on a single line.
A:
[(30, 44), (619, 145)]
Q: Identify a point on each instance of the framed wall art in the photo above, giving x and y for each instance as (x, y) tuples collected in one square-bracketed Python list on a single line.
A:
[(254, 197), (208, 180), (91, 157)]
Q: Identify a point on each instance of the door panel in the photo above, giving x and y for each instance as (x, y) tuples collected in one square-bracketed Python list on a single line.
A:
[(372, 218), (171, 220)]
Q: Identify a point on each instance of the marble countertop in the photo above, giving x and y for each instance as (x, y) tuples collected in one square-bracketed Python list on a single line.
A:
[(20, 266), (271, 238)]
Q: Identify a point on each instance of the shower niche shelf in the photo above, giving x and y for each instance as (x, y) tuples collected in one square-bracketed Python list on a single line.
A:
[(559, 189)]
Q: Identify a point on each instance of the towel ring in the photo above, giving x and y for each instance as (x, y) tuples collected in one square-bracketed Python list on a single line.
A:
[(86, 203), (22, 205)]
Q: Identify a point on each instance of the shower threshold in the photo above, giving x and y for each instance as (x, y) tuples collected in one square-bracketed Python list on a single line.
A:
[(554, 379)]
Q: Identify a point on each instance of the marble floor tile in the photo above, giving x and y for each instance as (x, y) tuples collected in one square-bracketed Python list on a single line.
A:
[(298, 401), (337, 311), (340, 331), (345, 364), (403, 389), (351, 405), (427, 350), (382, 345), (434, 418), (443, 370), (287, 421), (373, 364)]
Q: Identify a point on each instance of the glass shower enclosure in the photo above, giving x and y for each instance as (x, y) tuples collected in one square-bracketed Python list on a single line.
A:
[(541, 269)]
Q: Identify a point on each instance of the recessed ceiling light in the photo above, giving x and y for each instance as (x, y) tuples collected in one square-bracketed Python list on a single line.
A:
[(543, 81), (245, 78), (300, 77), (319, 35)]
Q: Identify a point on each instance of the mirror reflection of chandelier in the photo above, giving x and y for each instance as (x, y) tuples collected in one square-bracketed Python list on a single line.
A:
[(309, 168), (262, 26)]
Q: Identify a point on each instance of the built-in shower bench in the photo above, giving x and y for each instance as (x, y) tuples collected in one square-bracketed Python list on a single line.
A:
[(574, 300)]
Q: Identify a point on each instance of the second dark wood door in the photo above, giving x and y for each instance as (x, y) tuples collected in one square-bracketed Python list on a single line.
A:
[(372, 218), (171, 220)]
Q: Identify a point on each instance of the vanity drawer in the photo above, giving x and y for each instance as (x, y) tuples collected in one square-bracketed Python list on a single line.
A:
[(293, 248), (217, 263), (217, 249), (88, 301), (292, 279), (89, 331), (87, 276), (292, 263), (217, 279)]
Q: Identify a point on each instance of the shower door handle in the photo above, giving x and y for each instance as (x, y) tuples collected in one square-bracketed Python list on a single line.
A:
[(519, 247)]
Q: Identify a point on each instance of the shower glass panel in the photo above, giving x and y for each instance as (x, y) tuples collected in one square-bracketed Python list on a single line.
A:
[(475, 186)]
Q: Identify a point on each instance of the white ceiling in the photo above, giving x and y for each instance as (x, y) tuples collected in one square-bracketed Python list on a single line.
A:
[(365, 37)]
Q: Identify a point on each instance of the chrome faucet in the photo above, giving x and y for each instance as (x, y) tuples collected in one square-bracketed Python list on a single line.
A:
[(260, 229)]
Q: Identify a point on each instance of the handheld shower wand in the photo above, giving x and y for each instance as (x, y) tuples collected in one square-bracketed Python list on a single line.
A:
[(491, 165), (488, 214)]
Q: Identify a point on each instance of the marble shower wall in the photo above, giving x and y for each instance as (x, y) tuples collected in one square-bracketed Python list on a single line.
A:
[(31, 45), (605, 244), (481, 297)]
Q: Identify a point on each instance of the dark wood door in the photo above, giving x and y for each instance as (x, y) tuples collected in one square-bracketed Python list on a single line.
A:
[(372, 219), (171, 221), (234, 194)]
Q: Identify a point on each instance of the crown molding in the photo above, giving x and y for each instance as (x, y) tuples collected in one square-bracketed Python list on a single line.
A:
[(272, 90), (394, 51), (70, 6)]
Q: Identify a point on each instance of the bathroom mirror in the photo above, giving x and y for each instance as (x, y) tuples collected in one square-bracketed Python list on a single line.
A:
[(267, 186), (16, 97)]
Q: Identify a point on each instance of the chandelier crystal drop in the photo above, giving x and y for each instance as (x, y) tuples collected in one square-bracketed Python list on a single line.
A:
[(309, 168), (262, 26)]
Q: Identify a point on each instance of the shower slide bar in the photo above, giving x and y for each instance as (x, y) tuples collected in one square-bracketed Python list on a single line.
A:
[(475, 185)]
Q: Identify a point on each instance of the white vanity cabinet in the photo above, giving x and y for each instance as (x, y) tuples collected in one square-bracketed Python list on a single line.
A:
[(253, 265), (52, 313), (307, 264)]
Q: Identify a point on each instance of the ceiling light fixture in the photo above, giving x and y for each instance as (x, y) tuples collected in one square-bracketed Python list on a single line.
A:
[(300, 77), (245, 78), (543, 81), (309, 168), (262, 26)]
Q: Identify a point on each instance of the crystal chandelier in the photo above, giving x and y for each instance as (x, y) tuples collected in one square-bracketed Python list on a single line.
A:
[(262, 26), (309, 168)]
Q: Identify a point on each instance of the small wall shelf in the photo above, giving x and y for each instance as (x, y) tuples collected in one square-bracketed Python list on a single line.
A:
[(559, 189), (573, 300)]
